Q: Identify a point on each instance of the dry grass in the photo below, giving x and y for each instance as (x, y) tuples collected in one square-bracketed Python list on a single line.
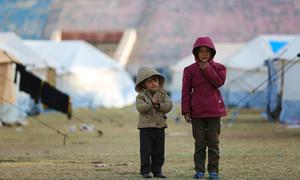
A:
[(251, 149)]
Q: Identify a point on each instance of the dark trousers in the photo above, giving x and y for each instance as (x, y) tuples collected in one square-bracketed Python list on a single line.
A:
[(152, 150), (206, 134)]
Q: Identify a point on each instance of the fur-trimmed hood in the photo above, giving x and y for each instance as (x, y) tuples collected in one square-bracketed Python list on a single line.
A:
[(144, 73)]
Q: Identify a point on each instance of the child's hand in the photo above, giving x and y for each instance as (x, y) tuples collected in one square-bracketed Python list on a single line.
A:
[(156, 106), (202, 64), (155, 98), (187, 117)]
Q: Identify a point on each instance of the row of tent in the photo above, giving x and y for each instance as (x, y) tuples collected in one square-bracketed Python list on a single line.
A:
[(91, 78), (249, 83)]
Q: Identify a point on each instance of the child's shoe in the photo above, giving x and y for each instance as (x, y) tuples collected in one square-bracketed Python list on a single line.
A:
[(199, 175), (213, 176), (159, 175), (147, 175)]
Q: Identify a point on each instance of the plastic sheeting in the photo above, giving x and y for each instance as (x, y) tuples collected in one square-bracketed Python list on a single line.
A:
[(290, 103), (273, 99), (291, 97), (244, 99), (290, 113)]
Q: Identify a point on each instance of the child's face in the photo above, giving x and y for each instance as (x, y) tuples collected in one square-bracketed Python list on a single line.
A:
[(152, 83), (204, 54)]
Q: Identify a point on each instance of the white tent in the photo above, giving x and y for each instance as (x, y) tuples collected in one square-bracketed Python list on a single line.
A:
[(14, 45), (246, 70), (14, 50), (89, 76), (288, 68), (224, 50), (253, 54)]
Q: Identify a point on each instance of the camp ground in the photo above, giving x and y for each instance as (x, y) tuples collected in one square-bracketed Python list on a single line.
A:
[(89, 76), (67, 87)]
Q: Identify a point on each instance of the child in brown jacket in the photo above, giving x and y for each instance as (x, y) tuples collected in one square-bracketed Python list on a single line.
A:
[(152, 103)]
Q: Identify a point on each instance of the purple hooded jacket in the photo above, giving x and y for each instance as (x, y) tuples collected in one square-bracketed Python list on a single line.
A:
[(200, 94)]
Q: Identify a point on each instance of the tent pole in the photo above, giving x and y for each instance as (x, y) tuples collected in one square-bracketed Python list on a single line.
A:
[(281, 83)]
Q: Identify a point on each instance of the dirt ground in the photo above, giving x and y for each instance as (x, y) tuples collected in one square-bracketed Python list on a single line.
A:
[(251, 148)]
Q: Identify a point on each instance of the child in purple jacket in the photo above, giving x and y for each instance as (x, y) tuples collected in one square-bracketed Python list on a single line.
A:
[(202, 105)]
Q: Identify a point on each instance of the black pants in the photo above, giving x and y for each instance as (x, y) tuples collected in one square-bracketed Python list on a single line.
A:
[(152, 150), (206, 134)]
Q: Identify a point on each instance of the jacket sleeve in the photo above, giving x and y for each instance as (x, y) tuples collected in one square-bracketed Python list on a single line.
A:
[(166, 105), (143, 104), (186, 91), (215, 74)]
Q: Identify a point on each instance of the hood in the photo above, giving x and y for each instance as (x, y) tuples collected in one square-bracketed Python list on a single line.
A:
[(204, 41), (144, 73)]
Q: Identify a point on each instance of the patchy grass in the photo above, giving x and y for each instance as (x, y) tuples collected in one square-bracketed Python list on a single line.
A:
[(250, 149)]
